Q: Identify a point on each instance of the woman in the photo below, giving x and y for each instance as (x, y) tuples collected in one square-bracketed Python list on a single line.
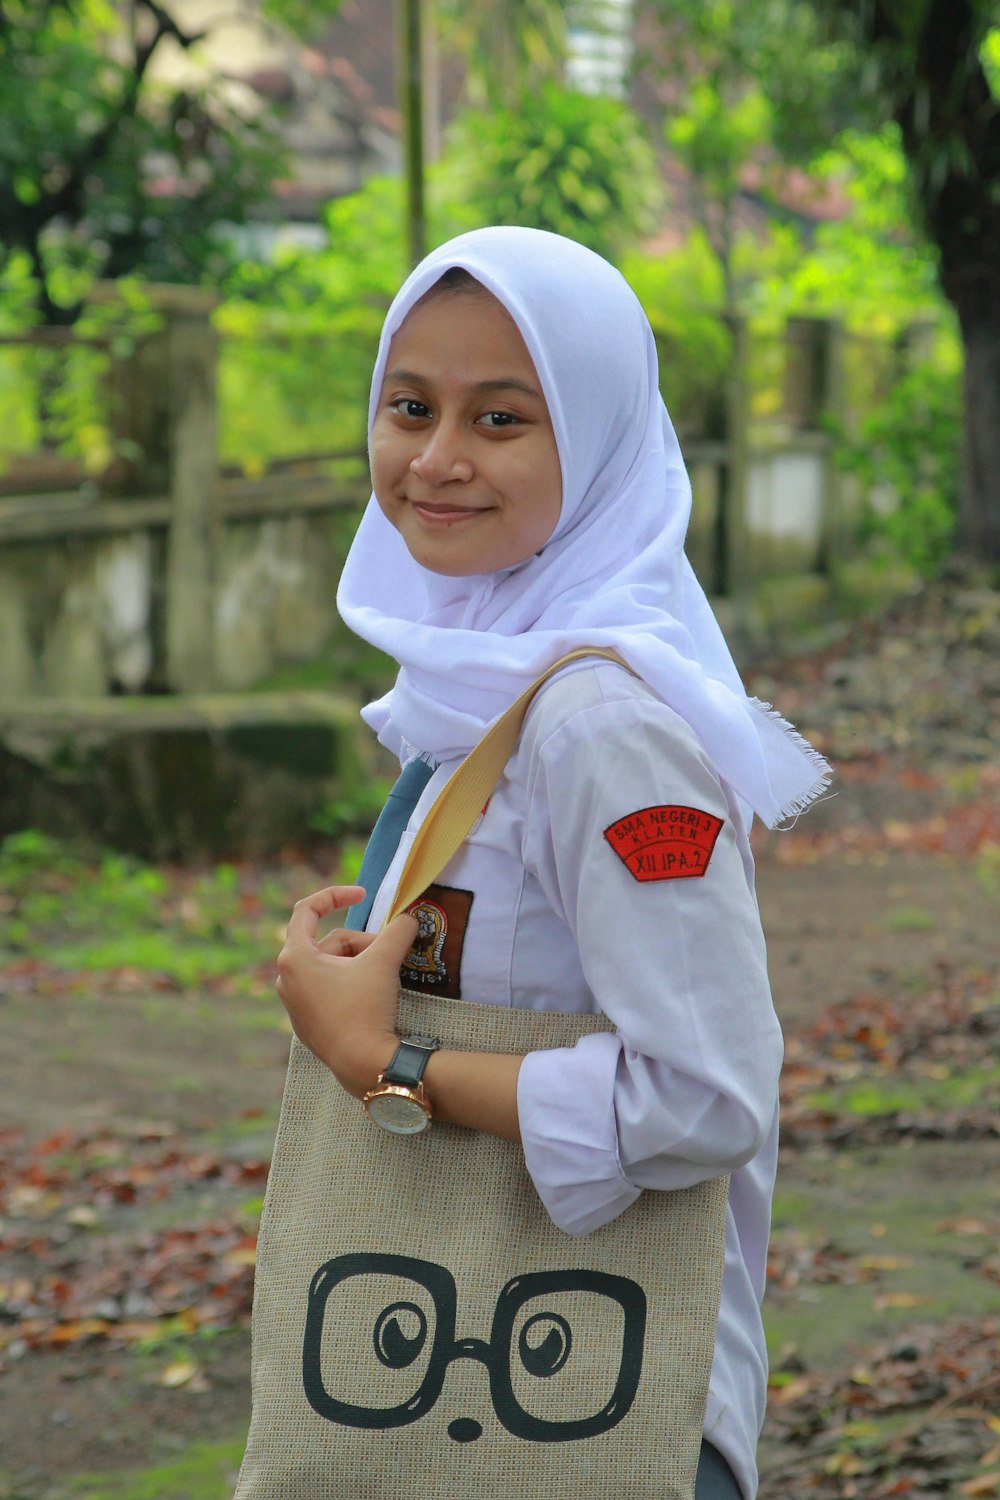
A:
[(530, 499)]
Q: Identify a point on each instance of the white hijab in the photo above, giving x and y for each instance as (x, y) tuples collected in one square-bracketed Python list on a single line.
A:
[(613, 572)]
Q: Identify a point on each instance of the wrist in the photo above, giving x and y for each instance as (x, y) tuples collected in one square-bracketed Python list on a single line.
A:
[(363, 1059), (398, 1102)]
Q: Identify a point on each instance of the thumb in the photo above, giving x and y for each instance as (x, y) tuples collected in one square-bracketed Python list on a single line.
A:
[(394, 941)]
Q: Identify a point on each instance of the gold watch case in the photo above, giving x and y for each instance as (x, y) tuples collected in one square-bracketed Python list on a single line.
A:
[(398, 1109)]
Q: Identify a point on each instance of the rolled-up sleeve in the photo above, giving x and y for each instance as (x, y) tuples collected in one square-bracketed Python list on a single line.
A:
[(686, 1087)]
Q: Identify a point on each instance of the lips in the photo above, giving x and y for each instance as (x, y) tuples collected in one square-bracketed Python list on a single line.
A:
[(445, 515)]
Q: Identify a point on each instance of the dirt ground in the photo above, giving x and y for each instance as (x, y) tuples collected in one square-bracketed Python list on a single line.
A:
[(123, 1059), (842, 918)]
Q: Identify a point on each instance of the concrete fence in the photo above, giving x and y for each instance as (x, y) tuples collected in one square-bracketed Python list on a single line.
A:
[(169, 575), (138, 604)]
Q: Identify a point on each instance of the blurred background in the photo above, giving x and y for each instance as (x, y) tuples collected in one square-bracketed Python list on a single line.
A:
[(205, 209)]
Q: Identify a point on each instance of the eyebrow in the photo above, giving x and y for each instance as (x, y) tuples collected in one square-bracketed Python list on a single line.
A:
[(481, 387)]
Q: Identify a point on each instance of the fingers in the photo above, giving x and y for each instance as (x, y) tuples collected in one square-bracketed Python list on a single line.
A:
[(310, 911), (343, 943), (387, 948), (384, 950), (396, 939)]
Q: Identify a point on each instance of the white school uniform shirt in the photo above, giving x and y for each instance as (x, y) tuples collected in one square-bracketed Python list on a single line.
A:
[(611, 871)]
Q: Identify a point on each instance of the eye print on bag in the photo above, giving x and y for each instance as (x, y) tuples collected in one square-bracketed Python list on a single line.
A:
[(564, 1355)]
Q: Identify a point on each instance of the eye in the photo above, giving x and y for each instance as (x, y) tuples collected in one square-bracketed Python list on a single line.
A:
[(406, 406), (496, 419), (544, 1344), (400, 1335)]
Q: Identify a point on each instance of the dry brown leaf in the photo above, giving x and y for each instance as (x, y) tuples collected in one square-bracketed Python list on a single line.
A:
[(900, 1299), (982, 1484)]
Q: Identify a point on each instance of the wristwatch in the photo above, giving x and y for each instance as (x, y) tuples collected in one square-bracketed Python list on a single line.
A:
[(397, 1102)]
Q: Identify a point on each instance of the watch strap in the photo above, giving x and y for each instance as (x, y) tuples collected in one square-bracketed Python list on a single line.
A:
[(409, 1060)]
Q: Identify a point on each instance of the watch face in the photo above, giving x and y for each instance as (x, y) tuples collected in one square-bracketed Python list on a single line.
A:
[(398, 1111)]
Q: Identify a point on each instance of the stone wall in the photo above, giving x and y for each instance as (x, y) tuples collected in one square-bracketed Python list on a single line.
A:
[(199, 776), (82, 613), (167, 576), (76, 616)]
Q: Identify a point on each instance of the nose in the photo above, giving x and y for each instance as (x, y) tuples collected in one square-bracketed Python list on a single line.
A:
[(464, 1430), (467, 1429), (442, 459)]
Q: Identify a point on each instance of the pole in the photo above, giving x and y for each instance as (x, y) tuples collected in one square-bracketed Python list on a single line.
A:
[(411, 108)]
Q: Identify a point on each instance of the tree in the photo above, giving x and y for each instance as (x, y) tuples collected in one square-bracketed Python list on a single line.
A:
[(86, 131), (572, 163), (507, 47), (933, 67), (745, 91)]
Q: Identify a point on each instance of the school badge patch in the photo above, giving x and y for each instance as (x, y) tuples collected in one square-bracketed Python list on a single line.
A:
[(435, 960), (665, 843)]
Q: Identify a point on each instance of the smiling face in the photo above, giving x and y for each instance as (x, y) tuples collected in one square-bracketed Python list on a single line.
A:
[(463, 457)]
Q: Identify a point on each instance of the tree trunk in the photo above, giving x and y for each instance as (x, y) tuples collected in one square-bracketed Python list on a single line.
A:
[(978, 533)]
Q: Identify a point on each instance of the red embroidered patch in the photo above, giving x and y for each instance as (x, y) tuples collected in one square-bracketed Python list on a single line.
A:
[(665, 843)]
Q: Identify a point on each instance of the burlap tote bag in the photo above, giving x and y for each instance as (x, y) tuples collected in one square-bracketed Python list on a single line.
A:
[(420, 1322)]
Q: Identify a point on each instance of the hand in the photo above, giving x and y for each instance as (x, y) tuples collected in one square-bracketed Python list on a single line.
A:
[(340, 991)]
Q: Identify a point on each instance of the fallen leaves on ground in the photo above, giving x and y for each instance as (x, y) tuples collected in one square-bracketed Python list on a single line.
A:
[(795, 1260), (916, 1419), (968, 829), (923, 679), (77, 1266), (936, 1050)]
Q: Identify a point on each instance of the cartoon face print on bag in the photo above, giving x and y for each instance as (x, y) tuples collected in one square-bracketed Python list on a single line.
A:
[(564, 1355)]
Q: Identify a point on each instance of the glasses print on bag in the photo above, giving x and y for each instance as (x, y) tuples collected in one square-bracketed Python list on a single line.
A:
[(562, 1343)]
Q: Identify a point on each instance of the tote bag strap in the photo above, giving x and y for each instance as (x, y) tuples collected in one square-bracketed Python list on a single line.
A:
[(466, 792)]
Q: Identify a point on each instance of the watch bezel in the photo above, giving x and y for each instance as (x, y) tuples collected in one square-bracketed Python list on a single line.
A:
[(416, 1097)]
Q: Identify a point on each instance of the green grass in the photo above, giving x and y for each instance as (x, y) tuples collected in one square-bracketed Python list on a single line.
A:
[(893, 1093), (909, 919), (186, 964), (206, 1471), (85, 910), (890, 1202)]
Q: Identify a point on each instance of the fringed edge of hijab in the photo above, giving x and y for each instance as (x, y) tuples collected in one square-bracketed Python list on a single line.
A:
[(772, 719)]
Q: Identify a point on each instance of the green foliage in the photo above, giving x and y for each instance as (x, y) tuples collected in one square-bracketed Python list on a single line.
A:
[(562, 161), (777, 46), (905, 456), (31, 853), (744, 88), (306, 17), (353, 812), (57, 398), (88, 140), (683, 296), (716, 135), (756, 90), (933, 70), (989, 56), (508, 48), (300, 334), (72, 909), (351, 855), (869, 266)]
